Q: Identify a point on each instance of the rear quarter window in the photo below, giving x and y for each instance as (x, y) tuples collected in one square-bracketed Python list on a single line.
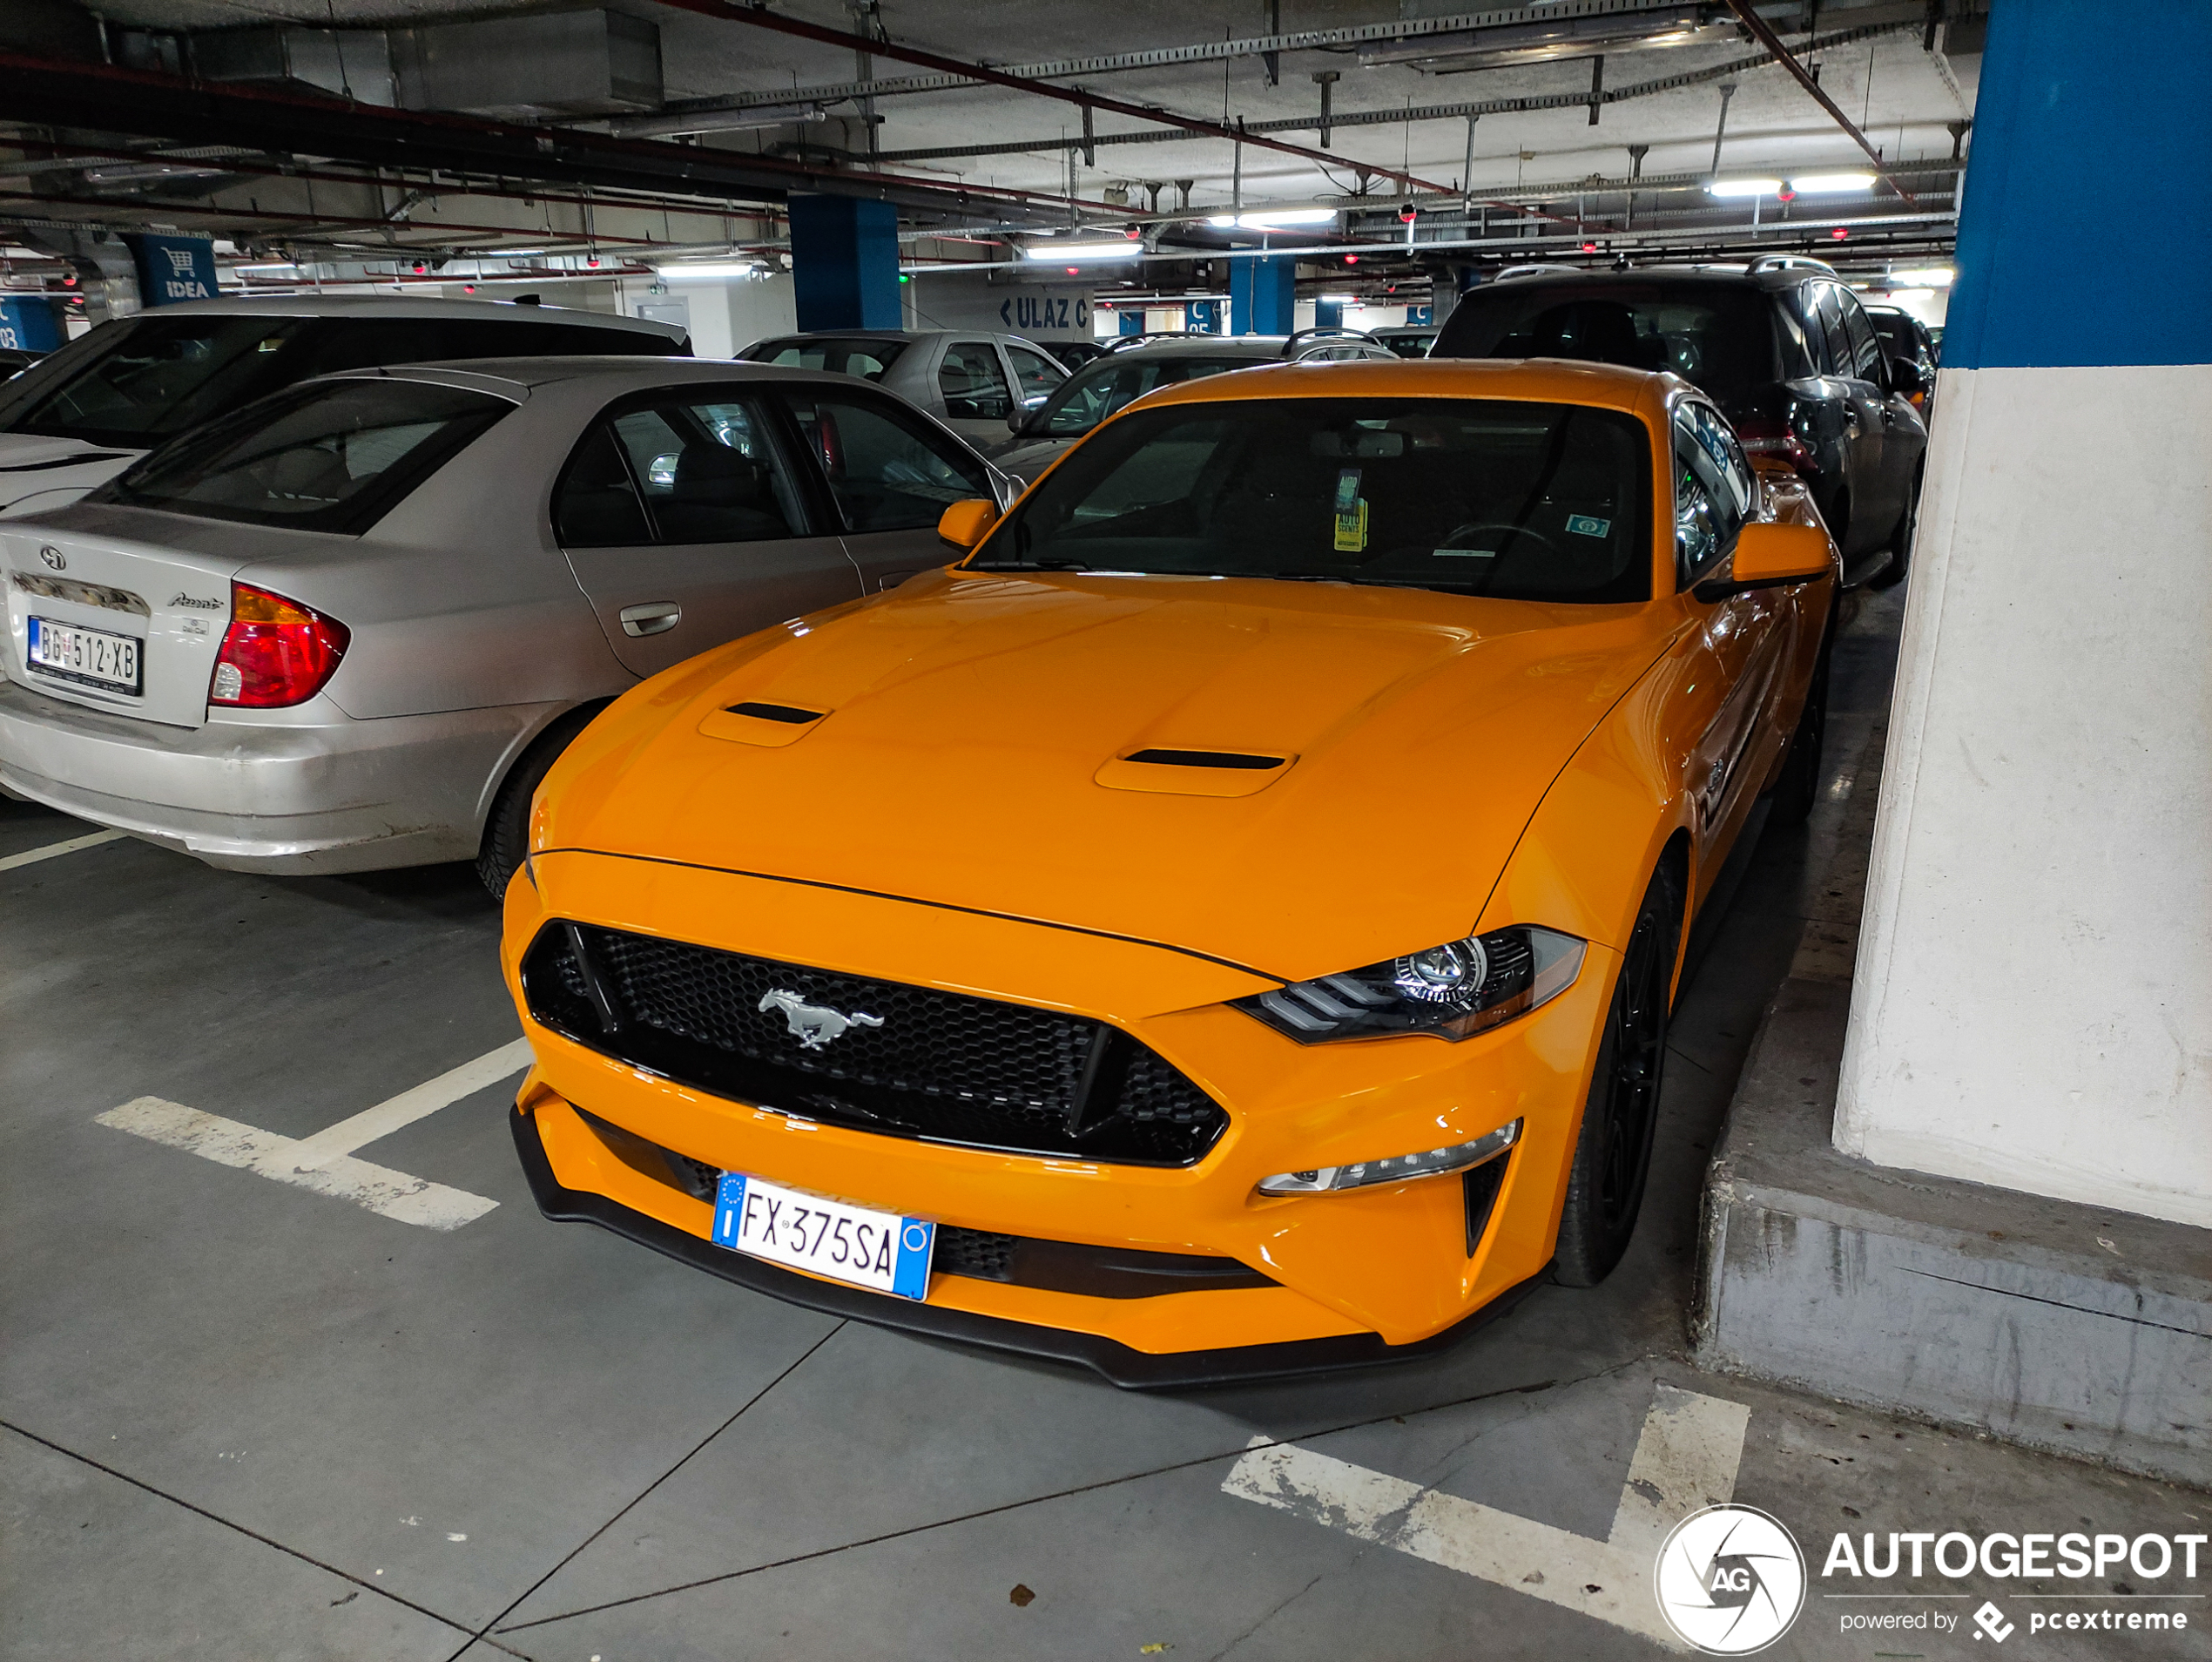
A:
[(323, 456)]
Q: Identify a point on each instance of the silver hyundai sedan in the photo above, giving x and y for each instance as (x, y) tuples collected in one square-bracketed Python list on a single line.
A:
[(350, 627)]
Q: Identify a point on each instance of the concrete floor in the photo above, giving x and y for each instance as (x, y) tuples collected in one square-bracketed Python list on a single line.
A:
[(246, 1419)]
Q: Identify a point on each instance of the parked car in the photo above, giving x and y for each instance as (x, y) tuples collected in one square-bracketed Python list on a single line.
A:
[(83, 414), (971, 380), (1905, 338), (15, 360), (1226, 924), (1408, 340), (351, 625), (1087, 398), (1074, 354), (1781, 346)]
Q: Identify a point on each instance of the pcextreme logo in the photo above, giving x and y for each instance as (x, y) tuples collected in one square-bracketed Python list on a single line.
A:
[(1730, 1580)]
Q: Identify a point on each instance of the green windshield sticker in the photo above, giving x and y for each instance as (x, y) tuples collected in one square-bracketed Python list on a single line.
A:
[(1584, 526), (1351, 513), (1347, 490)]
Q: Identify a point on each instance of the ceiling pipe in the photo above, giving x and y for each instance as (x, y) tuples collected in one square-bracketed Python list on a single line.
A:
[(1764, 33), (759, 17)]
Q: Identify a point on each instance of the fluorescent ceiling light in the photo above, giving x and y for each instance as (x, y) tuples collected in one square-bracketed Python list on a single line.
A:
[(1830, 184), (1928, 277), (282, 266), (1124, 249), (1743, 187), (735, 268), (1271, 221)]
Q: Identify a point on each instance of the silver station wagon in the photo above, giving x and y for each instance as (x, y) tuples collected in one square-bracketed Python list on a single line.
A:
[(352, 625)]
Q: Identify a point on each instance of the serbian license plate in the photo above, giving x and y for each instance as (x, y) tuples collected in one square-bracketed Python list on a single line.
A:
[(93, 656), (877, 1250)]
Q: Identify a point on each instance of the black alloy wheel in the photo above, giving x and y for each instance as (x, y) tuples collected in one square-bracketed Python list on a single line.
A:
[(1613, 1154)]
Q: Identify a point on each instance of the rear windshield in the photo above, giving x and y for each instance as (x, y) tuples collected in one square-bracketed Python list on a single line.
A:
[(1079, 404), (328, 456), (136, 382), (1721, 339), (1506, 499), (864, 358)]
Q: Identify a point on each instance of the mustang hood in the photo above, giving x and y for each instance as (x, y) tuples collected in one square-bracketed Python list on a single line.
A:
[(975, 743)]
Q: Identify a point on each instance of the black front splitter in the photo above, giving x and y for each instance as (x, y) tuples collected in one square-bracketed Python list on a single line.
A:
[(1130, 1369)]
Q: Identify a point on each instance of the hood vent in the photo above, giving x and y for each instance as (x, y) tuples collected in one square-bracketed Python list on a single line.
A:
[(1202, 759), (790, 712), (1173, 772)]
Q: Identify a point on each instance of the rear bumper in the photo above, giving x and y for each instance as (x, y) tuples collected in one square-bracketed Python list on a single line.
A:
[(289, 798), (1120, 1364)]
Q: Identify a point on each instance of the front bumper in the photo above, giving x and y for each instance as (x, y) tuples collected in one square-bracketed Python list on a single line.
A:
[(295, 794), (1366, 1274)]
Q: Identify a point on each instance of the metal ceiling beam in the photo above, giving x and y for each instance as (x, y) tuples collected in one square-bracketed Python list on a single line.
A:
[(1764, 33), (1204, 52), (760, 17), (105, 97), (1458, 111)]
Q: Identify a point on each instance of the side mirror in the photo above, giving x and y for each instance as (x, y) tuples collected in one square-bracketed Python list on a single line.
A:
[(1768, 555), (1016, 420), (966, 523), (1905, 377)]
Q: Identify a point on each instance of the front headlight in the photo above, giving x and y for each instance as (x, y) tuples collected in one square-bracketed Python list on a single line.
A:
[(1453, 991)]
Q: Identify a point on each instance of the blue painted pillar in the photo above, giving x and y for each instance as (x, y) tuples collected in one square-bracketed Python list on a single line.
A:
[(1328, 315), (1262, 294), (30, 323), (2048, 784), (1130, 319), (845, 262), (1204, 315)]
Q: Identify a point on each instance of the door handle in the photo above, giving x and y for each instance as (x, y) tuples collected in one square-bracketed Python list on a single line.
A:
[(655, 619)]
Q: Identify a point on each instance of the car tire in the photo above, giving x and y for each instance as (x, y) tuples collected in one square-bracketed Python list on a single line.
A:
[(1790, 803), (1613, 1152), (1900, 540), (507, 829)]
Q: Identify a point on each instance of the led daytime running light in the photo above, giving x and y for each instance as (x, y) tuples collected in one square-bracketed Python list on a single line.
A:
[(1398, 1168)]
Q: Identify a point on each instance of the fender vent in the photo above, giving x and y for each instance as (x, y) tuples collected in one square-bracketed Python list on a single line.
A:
[(1203, 759), (789, 713)]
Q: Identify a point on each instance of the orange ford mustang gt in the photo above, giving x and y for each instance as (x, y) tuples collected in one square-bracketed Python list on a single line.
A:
[(1224, 925)]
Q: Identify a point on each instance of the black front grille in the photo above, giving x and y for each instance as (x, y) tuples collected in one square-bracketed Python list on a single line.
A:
[(878, 1055)]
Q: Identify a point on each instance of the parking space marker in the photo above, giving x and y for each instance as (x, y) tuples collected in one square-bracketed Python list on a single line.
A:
[(1685, 1459), (33, 856), (324, 1162)]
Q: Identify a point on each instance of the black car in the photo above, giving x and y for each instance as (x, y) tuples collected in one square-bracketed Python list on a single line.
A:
[(1781, 346), (1905, 336)]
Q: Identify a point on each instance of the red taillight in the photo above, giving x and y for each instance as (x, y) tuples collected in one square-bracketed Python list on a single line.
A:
[(1773, 436), (276, 651)]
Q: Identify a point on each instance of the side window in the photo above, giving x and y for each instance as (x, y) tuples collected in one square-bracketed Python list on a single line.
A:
[(1714, 490), (1799, 358), (1037, 376), (1865, 346), (596, 505), (1831, 321), (973, 383), (887, 472), (696, 470)]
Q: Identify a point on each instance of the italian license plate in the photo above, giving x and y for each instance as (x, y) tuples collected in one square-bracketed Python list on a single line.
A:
[(93, 656), (877, 1250)]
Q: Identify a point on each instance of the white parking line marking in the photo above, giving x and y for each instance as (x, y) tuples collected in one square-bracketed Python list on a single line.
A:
[(425, 1099), (1686, 1458), (33, 856), (324, 1162)]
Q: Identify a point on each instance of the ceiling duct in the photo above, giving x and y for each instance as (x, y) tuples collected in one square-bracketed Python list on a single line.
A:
[(515, 68), (1545, 40)]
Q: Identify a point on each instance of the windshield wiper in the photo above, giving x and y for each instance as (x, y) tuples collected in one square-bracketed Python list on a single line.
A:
[(1028, 565)]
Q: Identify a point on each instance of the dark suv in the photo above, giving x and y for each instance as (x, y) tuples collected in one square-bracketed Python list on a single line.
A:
[(1783, 347)]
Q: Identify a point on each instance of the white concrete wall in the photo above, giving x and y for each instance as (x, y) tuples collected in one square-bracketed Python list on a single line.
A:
[(729, 313), (2033, 1000)]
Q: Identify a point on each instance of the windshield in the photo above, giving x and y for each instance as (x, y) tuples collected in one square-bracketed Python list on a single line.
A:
[(1512, 500), (329, 455), (866, 359), (160, 376), (1079, 404), (1720, 339)]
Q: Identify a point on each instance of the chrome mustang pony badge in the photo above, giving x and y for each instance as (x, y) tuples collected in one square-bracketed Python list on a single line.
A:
[(814, 1025)]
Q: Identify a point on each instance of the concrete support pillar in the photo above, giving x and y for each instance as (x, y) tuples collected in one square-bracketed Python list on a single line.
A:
[(1262, 294), (2032, 1006), (844, 260)]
